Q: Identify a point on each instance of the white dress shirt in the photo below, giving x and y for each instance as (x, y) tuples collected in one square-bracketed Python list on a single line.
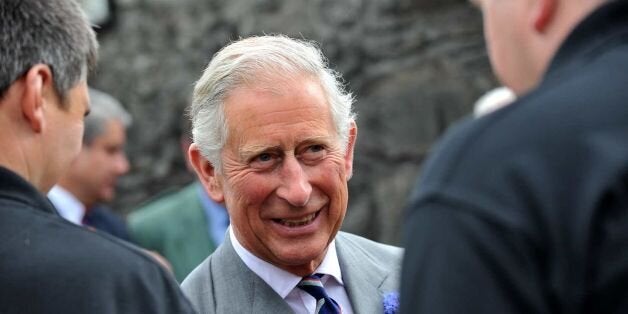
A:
[(285, 283), (68, 206)]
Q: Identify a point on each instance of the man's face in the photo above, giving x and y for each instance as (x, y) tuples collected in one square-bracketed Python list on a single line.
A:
[(94, 173), (65, 133), (284, 178), (507, 30)]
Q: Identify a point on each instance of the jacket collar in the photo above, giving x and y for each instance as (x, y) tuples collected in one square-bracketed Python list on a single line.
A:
[(17, 189), (599, 29)]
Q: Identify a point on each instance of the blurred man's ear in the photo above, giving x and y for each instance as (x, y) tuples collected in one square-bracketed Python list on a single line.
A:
[(544, 11), (184, 143), (38, 87), (206, 174), (353, 134)]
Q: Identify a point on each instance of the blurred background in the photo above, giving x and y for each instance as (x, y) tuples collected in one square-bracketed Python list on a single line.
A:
[(415, 67)]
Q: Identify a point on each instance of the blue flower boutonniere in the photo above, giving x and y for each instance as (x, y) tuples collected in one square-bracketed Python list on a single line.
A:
[(391, 303)]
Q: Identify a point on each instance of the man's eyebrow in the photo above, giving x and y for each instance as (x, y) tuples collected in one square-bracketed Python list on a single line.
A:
[(254, 150)]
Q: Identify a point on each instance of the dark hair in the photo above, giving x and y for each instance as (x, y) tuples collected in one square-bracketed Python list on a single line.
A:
[(51, 32)]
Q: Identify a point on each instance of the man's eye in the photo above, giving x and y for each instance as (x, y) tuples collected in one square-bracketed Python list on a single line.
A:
[(316, 148), (314, 152), (264, 157), (112, 150), (263, 161)]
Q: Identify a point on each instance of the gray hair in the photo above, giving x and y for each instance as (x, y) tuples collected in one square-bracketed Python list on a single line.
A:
[(52, 32), (245, 63), (103, 107)]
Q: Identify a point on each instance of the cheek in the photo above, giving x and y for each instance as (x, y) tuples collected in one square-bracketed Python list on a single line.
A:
[(497, 48), (247, 190), (76, 138), (332, 182), (98, 160), (490, 36)]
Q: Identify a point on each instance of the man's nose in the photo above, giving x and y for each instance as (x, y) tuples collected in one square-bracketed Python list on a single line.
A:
[(295, 187), (122, 164)]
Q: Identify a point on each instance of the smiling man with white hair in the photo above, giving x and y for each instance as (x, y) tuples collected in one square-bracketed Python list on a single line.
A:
[(273, 140)]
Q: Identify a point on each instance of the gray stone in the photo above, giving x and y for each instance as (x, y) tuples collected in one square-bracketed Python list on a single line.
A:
[(415, 67)]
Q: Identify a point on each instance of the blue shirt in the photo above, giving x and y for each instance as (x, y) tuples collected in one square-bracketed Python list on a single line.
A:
[(217, 217)]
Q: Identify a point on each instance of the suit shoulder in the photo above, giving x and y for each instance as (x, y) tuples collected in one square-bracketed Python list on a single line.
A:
[(198, 287), (378, 251), (198, 275)]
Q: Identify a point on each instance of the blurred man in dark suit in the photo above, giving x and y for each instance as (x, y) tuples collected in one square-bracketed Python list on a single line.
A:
[(525, 210)]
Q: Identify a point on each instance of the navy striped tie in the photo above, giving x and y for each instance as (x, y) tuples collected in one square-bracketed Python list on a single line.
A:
[(324, 303)]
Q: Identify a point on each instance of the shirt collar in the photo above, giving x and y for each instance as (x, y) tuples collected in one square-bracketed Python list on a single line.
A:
[(280, 280), (599, 28), (68, 206)]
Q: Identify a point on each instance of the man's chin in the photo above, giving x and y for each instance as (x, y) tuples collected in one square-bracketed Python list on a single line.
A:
[(107, 196), (299, 260)]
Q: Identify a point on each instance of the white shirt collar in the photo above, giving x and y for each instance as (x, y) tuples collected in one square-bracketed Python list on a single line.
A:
[(278, 279), (68, 206)]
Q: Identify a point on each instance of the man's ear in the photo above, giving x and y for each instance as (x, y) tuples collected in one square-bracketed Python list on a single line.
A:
[(206, 173), (544, 12), (353, 134), (38, 85)]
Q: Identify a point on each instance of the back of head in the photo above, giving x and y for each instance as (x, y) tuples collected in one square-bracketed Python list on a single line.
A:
[(523, 39), (259, 61), (103, 108), (52, 32)]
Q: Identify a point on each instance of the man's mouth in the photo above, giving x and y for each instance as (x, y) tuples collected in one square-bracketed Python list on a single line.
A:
[(297, 222)]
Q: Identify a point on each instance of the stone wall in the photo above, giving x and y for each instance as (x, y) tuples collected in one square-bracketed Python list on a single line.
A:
[(415, 67)]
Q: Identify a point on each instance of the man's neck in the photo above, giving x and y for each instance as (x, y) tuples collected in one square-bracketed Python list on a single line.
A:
[(76, 192), (22, 169)]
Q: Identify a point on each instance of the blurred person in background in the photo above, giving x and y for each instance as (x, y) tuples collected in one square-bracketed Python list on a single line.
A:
[(526, 210), (91, 179), (184, 226), (47, 264)]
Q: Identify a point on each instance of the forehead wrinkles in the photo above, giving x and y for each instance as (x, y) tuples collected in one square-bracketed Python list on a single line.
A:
[(258, 113), (263, 134)]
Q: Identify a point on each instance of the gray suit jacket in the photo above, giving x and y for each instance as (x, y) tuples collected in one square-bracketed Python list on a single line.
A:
[(224, 284)]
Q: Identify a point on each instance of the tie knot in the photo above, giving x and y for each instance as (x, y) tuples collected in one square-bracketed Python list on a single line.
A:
[(313, 286), (311, 280)]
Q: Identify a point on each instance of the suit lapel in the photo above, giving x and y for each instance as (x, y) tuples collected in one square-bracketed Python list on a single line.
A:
[(245, 291), (264, 297), (362, 278)]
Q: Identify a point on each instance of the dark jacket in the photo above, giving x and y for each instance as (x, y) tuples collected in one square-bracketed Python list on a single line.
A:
[(104, 219), (526, 210), (49, 265)]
